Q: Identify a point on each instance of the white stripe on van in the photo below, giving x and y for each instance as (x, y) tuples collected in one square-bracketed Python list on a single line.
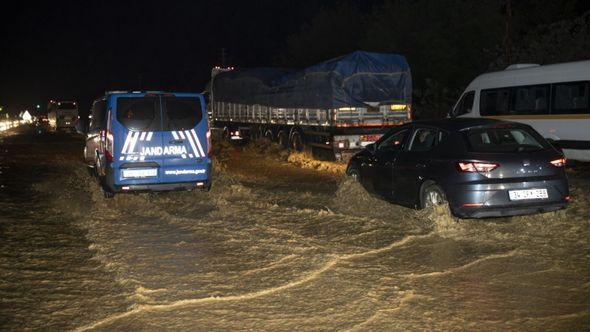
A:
[(149, 136), (175, 135), (142, 137), (195, 151), (126, 144), (183, 156), (133, 142), (181, 135), (198, 142)]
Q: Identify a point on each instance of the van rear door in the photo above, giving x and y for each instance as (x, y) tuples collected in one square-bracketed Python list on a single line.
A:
[(184, 138), (136, 125)]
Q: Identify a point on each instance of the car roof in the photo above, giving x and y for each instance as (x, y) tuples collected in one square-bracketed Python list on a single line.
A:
[(457, 124)]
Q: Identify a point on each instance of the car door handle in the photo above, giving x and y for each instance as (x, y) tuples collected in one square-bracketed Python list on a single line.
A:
[(176, 141), (420, 165)]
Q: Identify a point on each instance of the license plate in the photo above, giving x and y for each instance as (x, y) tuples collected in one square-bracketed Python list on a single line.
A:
[(519, 195), (140, 173)]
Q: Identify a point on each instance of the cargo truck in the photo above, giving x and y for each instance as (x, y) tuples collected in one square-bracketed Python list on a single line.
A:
[(334, 108), (62, 115)]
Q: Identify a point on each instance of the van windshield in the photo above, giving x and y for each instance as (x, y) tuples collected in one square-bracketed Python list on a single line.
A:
[(181, 113), (139, 113), (504, 140)]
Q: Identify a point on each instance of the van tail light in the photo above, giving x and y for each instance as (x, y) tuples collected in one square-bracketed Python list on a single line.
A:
[(471, 167), (560, 162), (106, 138), (209, 151)]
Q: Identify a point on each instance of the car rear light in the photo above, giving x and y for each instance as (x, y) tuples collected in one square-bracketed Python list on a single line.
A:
[(477, 167), (568, 198), (560, 162)]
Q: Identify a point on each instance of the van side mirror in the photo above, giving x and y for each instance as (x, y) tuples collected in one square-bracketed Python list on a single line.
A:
[(81, 126)]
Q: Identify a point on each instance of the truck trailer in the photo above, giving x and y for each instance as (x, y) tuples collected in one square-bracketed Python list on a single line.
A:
[(333, 108)]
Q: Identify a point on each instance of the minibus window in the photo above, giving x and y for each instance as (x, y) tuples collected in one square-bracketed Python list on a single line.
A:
[(181, 113), (495, 102), (138, 113), (571, 98), (532, 99), (465, 105)]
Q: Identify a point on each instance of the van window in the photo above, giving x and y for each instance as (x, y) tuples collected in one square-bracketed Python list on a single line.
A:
[(182, 113), (465, 105), (495, 102), (571, 98), (98, 116), (504, 140), (139, 113), (530, 100)]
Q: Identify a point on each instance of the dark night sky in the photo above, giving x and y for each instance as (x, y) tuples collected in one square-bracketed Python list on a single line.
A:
[(78, 49)]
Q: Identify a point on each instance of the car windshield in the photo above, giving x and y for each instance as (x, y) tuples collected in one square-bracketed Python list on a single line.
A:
[(504, 140)]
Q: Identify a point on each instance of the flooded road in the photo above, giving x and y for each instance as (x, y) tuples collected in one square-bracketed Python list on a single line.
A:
[(272, 247)]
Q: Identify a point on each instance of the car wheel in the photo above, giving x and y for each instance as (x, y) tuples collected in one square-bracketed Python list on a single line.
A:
[(432, 195), (354, 174)]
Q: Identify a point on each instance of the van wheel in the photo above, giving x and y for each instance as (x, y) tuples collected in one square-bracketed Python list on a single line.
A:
[(432, 195), (206, 188), (107, 193)]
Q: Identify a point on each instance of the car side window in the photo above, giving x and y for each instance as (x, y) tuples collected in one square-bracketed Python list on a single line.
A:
[(393, 142), (426, 139), (465, 105), (98, 116)]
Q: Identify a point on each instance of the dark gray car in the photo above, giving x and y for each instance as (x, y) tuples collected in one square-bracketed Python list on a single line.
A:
[(481, 167)]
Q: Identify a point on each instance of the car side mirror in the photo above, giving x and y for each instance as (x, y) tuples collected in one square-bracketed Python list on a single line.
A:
[(371, 147), (81, 127)]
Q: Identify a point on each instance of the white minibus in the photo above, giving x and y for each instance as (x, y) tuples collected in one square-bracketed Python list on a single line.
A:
[(553, 99)]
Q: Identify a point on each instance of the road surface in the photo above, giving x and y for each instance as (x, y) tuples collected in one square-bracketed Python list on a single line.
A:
[(272, 247)]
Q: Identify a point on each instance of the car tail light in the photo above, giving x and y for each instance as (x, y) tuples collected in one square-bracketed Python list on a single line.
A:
[(471, 167), (209, 152), (560, 162), (568, 198)]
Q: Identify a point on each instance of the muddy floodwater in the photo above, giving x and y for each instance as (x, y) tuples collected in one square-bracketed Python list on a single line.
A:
[(273, 247)]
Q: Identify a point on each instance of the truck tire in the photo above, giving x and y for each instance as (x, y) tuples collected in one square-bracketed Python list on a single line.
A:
[(268, 135), (296, 142), (283, 139)]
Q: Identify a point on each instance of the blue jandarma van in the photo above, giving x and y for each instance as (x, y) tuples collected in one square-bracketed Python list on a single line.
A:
[(149, 141)]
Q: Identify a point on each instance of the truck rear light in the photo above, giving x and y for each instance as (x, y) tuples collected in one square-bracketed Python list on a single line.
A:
[(568, 198), (343, 144), (472, 167), (560, 162)]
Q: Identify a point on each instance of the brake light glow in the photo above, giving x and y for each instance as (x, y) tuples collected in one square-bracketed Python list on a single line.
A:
[(471, 167), (558, 162), (568, 198)]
